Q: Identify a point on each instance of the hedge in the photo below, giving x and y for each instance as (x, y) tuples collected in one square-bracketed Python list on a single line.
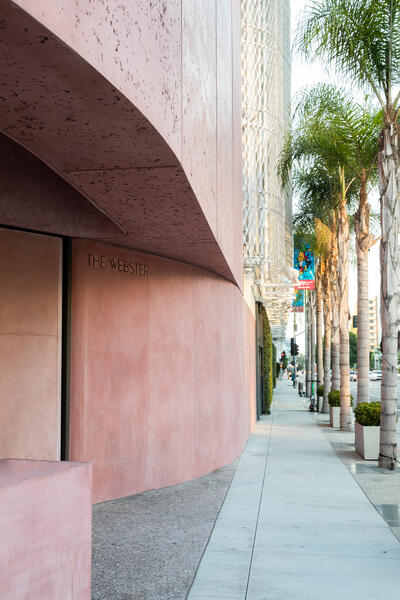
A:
[(268, 365), (368, 413), (334, 398), (273, 363)]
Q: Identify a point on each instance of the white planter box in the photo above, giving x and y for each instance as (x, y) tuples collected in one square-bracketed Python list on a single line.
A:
[(320, 403), (367, 441), (334, 416)]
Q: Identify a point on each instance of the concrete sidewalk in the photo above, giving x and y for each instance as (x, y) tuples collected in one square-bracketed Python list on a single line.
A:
[(295, 524)]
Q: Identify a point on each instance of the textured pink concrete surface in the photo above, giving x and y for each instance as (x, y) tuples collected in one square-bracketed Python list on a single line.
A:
[(45, 528), (154, 138), (34, 197), (162, 371), (30, 345)]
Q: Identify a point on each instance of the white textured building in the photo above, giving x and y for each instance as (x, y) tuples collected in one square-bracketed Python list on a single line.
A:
[(266, 72)]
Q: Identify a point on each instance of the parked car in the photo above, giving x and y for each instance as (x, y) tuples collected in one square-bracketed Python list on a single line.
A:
[(375, 375), (353, 375)]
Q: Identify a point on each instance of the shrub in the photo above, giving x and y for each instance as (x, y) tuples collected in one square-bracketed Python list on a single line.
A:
[(334, 398), (268, 364), (368, 413), (272, 366), (320, 390)]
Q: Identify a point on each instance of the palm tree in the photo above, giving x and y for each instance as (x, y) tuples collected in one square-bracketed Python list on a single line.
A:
[(343, 241), (319, 322), (361, 38), (334, 271), (354, 146), (319, 136), (324, 239), (310, 341), (318, 198)]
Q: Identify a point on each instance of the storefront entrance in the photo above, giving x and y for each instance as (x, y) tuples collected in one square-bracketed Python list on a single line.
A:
[(30, 345)]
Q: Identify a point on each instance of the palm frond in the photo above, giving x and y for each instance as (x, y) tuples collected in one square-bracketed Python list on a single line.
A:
[(323, 236), (346, 131), (361, 38)]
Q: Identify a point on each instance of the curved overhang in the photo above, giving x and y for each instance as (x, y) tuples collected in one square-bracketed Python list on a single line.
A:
[(58, 107)]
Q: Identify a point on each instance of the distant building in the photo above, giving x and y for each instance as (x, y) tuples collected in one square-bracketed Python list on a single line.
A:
[(373, 327), (267, 209)]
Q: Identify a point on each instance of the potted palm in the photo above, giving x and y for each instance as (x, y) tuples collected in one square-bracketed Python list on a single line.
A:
[(367, 429), (334, 408)]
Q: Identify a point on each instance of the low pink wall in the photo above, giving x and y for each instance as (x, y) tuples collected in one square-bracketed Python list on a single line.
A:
[(45, 528), (162, 372)]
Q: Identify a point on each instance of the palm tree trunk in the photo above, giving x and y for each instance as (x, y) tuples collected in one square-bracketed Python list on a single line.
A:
[(308, 346), (343, 248), (334, 266), (312, 352), (319, 317), (389, 184), (326, 292), (364, 241), (362, 328)]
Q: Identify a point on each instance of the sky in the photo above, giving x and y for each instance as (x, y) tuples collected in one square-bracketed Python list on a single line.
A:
[(304, 74)]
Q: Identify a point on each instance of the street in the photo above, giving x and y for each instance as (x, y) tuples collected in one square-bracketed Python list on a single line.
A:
[(375, 391)]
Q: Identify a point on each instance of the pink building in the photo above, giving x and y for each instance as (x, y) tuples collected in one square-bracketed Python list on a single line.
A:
[(125, 339)]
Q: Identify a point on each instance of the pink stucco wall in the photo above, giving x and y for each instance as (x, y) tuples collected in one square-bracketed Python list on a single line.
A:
[(30, 345), (45, 530), (162, 371), (176, 61)]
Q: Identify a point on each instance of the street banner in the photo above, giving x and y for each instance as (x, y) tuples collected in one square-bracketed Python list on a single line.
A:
[(298, 302), (305, 285), (304, 263)]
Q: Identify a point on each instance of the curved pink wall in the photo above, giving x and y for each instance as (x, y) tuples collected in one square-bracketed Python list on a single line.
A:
[(162, 373), (176, 61)]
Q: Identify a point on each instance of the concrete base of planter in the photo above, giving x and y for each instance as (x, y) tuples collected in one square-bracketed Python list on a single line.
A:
[(320, 403), (334, 416), (367, 441)]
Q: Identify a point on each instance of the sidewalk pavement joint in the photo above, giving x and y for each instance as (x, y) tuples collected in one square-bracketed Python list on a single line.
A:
[(295, 524), (381, 486)]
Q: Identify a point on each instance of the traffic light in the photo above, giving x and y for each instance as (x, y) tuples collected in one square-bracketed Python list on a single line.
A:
[(283, 355), (294, 349)]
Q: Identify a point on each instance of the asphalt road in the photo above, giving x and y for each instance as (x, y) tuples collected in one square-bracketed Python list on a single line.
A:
[(375, 391)]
